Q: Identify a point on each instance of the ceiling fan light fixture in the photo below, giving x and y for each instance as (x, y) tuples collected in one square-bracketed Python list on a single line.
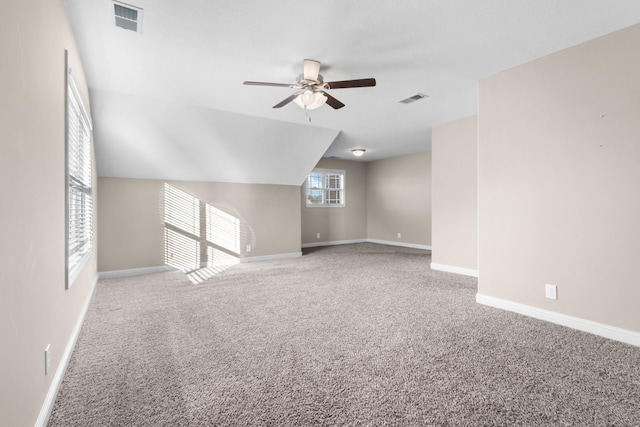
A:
[(310, 99), (358, 152), (307, 97)]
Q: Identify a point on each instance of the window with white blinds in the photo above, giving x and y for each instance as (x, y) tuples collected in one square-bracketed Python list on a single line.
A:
[(325, 187), (79, 184)]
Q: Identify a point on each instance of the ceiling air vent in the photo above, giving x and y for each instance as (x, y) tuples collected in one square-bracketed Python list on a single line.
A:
[(418, 96), (128, 17)]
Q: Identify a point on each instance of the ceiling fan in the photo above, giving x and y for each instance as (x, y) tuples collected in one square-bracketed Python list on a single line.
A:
[(312, 93)]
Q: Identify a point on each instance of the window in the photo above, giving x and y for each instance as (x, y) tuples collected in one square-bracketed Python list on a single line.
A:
[(325, 187), (79, 204)]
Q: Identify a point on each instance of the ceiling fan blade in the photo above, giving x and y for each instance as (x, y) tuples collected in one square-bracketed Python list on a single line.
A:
[(268, 84), (311, 69), (350, 83), (286, 100), (331, 101)]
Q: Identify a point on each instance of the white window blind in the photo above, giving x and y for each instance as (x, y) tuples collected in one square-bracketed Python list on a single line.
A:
[(79, 180), (325, 187)]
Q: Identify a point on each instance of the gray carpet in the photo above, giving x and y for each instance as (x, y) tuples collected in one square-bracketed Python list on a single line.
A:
[(359, 334)]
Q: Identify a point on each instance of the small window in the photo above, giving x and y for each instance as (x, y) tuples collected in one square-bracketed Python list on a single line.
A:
[(325, 187), (79, 206)]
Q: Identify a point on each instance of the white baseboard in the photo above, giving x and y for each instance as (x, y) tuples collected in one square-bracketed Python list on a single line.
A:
[(611, 332), (454, 269), (134, 272), (271, 257), (47, 406), (332, 243), (402, 244), (164, 268)]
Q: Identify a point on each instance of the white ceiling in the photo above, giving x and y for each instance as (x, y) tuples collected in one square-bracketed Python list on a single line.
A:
[(169, 103)]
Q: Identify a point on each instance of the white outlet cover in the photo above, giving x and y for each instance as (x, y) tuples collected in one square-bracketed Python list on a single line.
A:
[(551, 291), (47, 359)]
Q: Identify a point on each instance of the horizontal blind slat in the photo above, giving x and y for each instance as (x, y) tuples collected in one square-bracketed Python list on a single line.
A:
[(79, 161)]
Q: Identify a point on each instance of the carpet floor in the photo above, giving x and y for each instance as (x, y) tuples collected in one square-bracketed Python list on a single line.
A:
[(359, 335)]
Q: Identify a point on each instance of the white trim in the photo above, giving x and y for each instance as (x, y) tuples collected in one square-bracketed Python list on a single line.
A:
[(73, 274), (134, 272), (271, 257), (71, 82), (50, 398), (453, 269), (403, 244), (611, 332), (332, 243)]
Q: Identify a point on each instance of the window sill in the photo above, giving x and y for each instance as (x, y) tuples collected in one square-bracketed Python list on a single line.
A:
[(73, 275)]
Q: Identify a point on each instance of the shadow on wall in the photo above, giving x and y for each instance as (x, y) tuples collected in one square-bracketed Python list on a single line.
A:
[(201, 239)]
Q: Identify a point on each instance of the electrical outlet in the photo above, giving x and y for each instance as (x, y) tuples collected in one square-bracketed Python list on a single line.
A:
[(551, 291), (318, 236), (248, 248), (47, 359), (399, 236)]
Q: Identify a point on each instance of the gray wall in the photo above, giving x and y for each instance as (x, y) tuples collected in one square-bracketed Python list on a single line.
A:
[(338, 224), (384, 198), (131, 220), (35, 308), (131, 226), (559, 181), (399, 199), (455, 196)]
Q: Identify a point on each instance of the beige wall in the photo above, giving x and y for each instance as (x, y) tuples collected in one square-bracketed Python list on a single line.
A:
[(399, 199), (131, 219), (455, 194), (338, 224), (35, 308), (130, 224), (559, 181)]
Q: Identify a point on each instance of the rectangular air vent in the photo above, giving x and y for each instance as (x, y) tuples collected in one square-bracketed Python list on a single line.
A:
[(418, 96), (128, 17)]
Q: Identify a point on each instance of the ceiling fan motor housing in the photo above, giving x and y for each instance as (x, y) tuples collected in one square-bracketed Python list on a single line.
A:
[(308, 82)]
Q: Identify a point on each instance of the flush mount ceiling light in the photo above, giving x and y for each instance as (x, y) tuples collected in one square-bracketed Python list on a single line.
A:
[(312, 93), (358, 152)]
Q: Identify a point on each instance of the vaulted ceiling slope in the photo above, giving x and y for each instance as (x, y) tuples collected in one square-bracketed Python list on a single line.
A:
[(168, 102), (139, 137)]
